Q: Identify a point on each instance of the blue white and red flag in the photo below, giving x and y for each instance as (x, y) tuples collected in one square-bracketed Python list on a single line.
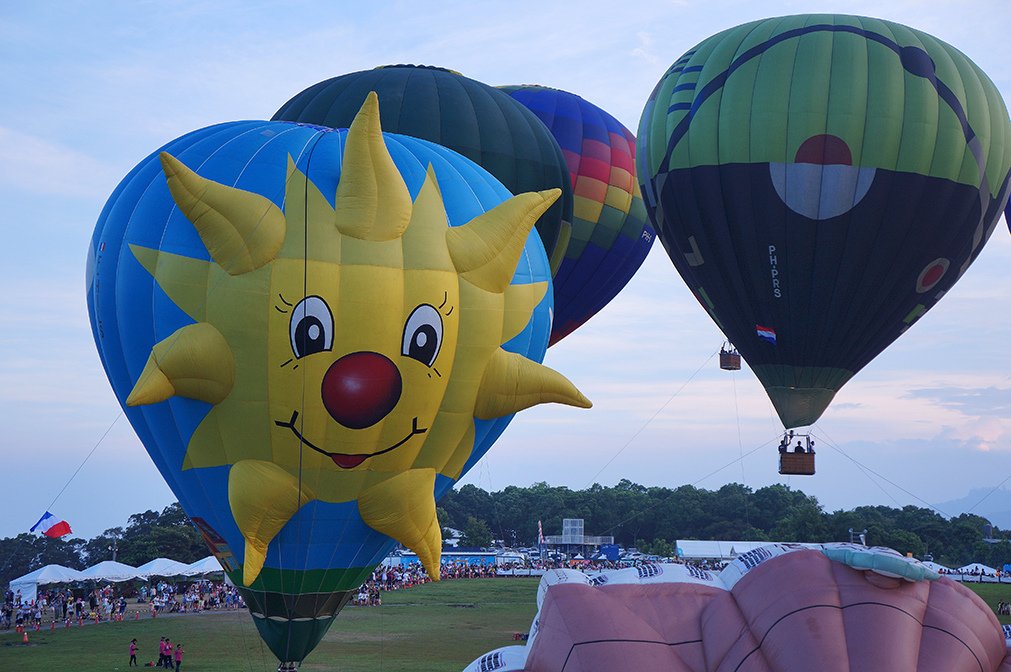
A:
[(51, 526)]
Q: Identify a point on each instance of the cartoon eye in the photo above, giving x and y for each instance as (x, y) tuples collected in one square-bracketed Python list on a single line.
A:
[(423, 334), (311, 327)]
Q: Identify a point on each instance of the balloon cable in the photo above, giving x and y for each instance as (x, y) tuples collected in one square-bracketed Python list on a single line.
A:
[(865, 469), (693, 484), (651, 419), (995, 489), (93, 449), (740, 443)]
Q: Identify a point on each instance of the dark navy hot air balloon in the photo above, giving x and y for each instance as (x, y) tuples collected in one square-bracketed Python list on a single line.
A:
[(469, 117), (820, 182), (611, 235)]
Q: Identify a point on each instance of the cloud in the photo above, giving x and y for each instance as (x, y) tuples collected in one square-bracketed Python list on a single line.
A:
[(976, 402), (645, 49), (40, 166)]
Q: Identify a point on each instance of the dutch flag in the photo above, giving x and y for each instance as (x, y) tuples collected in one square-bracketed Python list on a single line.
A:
[(766, 333), (51, 526)]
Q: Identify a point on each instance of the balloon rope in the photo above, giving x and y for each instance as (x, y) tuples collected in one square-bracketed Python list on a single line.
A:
[(740, 443), (995, 488), (93, 449), (696, 482), (651, 419), (864, 468)]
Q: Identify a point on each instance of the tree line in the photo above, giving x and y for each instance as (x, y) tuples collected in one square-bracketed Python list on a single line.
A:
[(653, 518), (648, 518)]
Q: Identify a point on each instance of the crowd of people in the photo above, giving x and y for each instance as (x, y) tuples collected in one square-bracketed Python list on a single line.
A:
[(170, 598), (109, 602)]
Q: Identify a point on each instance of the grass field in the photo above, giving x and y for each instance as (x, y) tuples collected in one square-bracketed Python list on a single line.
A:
[(430, 628)]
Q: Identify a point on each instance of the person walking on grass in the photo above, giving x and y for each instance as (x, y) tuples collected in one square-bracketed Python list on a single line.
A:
[(133, 653), (179, 655)]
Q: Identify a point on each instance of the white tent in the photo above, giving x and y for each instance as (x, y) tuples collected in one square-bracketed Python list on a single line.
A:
[(29, 583), (933, 566), (109, 570), (977, 568), (162, 567), (208, 565)]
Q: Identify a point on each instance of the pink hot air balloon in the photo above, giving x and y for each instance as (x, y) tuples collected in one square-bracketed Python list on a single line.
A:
[(780, 608)]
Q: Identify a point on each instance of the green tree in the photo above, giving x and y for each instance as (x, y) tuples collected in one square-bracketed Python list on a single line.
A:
[(475, 534)]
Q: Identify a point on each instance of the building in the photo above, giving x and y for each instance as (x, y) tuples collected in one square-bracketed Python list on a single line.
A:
[(573, 541)]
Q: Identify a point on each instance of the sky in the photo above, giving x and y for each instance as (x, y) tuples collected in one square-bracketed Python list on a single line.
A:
[(90, 89)]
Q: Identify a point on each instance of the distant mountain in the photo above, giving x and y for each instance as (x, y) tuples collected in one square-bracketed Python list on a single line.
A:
[(995, 506)]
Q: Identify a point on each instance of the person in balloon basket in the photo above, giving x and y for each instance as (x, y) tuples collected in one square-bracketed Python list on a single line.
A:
[(178, 655), (133, 653)]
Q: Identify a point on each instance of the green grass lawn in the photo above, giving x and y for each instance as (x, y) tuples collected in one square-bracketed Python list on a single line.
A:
[(430, 628)]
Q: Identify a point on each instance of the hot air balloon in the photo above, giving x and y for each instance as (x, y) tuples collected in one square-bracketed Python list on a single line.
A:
[(471, 118), (778, 608), (820, 182), (610, 232), (314, 334)]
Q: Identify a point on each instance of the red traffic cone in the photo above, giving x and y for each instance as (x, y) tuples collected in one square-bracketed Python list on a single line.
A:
[(25, 640), (52, 626), (136, 615)]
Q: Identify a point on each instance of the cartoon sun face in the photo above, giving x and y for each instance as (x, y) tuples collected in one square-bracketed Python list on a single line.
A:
[(375, 368), (345, 349)]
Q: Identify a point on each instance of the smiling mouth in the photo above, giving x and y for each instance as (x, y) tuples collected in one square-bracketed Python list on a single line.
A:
[(344, 460)]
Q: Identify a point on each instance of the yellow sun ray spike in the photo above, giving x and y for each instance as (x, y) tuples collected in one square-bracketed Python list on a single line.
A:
[(194, 362), (519, 305), (487, 248), (372, 201), (513, 382), (403, 507), (263, 498), (241, 230)]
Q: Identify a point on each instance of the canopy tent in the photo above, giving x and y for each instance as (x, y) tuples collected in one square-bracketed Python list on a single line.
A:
[(933, 566), (162, 567), (110, 570), (976, 568), (29, 583), (208, 565)]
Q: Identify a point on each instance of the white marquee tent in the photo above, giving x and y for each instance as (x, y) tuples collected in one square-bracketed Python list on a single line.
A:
[(162, 567), (29, 583), (110, 571), (208, 565)]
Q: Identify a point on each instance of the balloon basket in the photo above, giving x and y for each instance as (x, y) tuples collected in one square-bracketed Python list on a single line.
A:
[(289, 666)]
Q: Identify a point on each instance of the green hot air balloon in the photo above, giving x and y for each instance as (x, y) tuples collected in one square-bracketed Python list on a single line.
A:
[(820, 182)]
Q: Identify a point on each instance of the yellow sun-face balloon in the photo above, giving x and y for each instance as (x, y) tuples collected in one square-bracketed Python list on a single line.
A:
[(382, 329)]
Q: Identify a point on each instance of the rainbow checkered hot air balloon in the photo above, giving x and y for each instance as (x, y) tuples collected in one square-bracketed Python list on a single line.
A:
[(611, 234)]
